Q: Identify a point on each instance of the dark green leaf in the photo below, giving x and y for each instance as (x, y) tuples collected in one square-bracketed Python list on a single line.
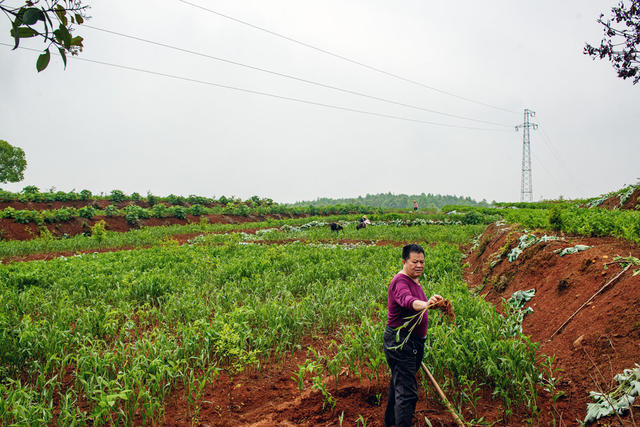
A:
[(79, 18), (14, 33), (64, 56), (43, 60), (61, 15), (31, 16), (77, 41), (63, 36), (24, 32)]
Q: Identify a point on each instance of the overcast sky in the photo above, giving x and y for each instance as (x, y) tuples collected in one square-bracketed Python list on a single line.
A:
[(101, 128)]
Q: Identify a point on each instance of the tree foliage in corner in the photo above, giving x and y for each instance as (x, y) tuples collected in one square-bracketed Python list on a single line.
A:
[(12, 163), (622, 40), (50, 20)]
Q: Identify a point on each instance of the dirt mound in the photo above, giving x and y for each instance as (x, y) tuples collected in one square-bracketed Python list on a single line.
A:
[(623, 201), (602, 339)]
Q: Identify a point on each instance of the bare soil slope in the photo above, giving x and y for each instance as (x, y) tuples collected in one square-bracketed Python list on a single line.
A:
[(602, 339), (630, 204)]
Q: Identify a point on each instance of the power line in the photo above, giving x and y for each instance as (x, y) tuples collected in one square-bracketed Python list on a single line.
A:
[(560, 161), (300, 79), (272, 95), (344, 58)]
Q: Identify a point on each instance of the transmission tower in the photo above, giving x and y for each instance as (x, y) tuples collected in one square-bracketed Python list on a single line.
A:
[(526, 191)]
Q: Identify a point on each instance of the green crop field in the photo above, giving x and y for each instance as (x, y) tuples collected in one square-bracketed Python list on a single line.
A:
[(97, 338)]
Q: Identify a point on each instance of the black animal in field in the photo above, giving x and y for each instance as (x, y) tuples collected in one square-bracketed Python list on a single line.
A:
[(336, 227)]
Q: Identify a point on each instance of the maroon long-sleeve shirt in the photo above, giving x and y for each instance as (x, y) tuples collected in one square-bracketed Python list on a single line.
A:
[(402, 293)]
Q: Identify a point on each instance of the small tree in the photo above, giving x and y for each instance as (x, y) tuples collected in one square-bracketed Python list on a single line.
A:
[(622, 40), (12, 163)]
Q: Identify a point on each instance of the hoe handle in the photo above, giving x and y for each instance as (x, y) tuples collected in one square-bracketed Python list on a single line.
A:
[(442, 396)]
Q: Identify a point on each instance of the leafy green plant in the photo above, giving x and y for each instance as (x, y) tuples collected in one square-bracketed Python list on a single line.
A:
[(151, 199), (555, 218), (549, 380), (98, 230), (196, 210), (111, 210), (618, 400), (172, 199), (328, 398), (179, 212), (87, 212), (117, 196)]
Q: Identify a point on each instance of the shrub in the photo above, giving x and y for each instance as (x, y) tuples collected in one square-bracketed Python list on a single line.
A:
[(555, 218), (159, 211), (30, 189), (133, 214), (193, 199), (117, 196), (66, 214), (472, 218), (87, 212), (85, 195), (111, 210), (61, 196), (26, 216), (48, 216), (178, 211), (136, 197), (8, 212), (151, 199), (175, 200), (196, 210), (6, 196), (98, 230)]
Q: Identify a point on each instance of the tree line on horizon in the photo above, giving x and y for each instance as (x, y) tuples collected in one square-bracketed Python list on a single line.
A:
[(397, 201)]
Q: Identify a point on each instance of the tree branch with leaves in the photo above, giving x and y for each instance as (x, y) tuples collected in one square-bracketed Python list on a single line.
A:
[(53, 21), (622, 40)]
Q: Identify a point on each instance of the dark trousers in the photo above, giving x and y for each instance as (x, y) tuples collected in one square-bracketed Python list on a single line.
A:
[(403, 388)]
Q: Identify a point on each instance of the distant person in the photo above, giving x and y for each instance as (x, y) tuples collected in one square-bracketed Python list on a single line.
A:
[(415, 205), (364, 221), (406, 298), (336, 227)]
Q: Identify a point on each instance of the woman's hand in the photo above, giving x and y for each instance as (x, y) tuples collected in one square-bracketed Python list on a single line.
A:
[(435, 299)]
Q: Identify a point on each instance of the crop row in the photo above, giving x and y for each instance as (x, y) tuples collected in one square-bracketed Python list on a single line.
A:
[(108, 336), (310, 228), (32, 193), (134, 213), (624, 224)]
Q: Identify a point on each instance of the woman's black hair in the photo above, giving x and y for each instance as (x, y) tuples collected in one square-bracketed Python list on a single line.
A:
[(412, 247)]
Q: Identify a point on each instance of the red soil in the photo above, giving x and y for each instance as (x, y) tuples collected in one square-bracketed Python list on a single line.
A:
[(630, 203), (602, 339), (10, 230), (270, 397)]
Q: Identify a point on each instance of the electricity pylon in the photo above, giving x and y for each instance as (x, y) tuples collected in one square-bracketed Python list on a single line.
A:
[(526, 190)]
